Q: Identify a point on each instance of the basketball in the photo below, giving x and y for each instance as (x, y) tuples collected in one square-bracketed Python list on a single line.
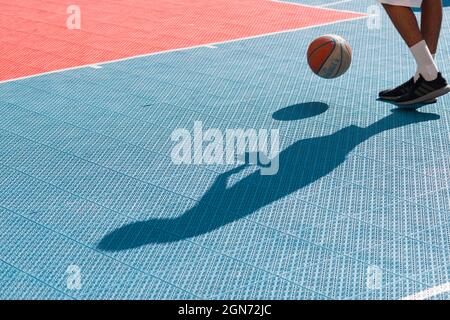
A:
[(329, 56)]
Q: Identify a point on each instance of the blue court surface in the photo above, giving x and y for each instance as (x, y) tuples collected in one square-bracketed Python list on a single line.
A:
[(93, 207)]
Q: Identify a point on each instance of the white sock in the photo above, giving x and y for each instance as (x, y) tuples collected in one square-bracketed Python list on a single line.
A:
[(425, 61), (417, 75)]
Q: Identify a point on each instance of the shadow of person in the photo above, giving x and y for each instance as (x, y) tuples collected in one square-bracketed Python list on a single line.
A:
[(300, 111), (300, 164), (415, 106)]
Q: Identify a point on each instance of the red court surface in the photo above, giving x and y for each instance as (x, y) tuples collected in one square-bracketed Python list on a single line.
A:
[(35, 38)]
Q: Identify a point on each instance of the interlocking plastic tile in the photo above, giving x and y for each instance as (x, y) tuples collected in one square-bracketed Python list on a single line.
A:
[(86, 176)]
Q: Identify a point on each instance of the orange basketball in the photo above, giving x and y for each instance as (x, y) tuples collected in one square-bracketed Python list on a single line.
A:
[(329, 56)]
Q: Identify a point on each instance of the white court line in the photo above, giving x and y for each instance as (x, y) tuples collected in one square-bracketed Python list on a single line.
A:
[(334, 3), (323, 6), (208, 45), (429, 293)]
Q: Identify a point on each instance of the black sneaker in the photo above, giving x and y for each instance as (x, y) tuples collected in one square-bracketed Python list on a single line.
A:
[(394, 94), (423, 91)]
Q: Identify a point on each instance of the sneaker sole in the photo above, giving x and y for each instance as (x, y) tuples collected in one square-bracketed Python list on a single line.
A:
[(388, 98), (432, 95), (392, 99)]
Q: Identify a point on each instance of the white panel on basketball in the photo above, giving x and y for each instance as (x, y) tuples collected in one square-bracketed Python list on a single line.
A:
[(346, 60), (331, 65), (338, 62)]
